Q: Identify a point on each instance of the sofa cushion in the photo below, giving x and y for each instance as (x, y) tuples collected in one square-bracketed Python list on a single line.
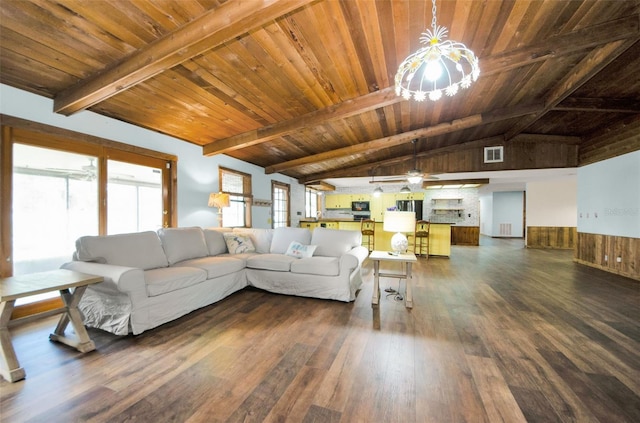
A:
[(169, 279), (282, 238), (323, 266), (215, 242), (276, 262), (215, 266), (261, 238), (139, 249), (334, 242), (183, 243), (239, 243), (298, 250)]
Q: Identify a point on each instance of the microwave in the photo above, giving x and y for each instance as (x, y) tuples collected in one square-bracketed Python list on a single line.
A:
[(359, 206)]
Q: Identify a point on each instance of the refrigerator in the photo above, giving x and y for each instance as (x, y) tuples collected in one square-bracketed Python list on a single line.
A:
[(410, 205)]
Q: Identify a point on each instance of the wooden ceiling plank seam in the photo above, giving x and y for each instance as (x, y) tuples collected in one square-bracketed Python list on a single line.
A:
[(163, 17), (442, 128), (286, 67), (39, 32), (338, 111), (243, 85), (223, 107), (343, 51), (118, 22), (296, 36), (199, 35), (284, 99), (616, 105), (562, 45), (195, 106), (206, 70), (15, 42), (593, 62), (333, 61), (105, 46), (371, 21), (281, 43), (388, 47), (510, 15)]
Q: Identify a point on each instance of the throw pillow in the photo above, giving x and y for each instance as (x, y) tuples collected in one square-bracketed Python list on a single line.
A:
[(298, 250), (238, 244)]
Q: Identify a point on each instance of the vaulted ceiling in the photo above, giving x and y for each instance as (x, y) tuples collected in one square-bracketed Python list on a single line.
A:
[(305, 87)]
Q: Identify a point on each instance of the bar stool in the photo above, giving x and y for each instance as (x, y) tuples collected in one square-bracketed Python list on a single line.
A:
[(422, 238), (368, 229)]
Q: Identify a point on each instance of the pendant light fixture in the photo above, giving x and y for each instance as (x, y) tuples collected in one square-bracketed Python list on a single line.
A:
[(439, 66)]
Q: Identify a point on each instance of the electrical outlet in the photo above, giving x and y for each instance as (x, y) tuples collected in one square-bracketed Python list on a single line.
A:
[(606, 257), (619, 259)]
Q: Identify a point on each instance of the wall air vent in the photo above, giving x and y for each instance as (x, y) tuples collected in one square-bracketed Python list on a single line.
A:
[(494, 154)]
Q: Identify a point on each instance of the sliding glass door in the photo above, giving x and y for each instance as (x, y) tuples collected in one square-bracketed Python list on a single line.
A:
[(55, 201), (134, 194)]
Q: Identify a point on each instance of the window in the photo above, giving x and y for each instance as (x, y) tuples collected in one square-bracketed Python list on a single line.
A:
[(311, 203), (280, 211), (61, 185), (134, 193), (55, 201), (493, 154), (238, 186)]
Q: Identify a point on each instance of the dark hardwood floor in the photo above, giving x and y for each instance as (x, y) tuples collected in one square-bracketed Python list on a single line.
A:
[(498, 333)]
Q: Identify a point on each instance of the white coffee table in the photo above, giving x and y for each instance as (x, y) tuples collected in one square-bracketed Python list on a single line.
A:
[(407, 259)]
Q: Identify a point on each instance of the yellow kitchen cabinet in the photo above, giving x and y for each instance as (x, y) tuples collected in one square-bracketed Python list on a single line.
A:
[(410, 196), (349, 226), (377, 209), (309, 225), (337, 201), (440, 239)]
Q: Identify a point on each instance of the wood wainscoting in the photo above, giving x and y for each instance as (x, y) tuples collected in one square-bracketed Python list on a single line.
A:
[(591, 250), (465, 235), (560, 237)]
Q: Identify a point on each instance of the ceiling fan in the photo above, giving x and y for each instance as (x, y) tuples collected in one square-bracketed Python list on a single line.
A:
[(413, 176), (87, 172)]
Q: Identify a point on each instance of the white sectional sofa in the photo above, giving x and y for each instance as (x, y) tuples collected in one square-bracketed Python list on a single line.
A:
[(152, 278)]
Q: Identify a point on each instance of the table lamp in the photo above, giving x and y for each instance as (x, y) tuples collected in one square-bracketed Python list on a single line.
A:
[(399, 222), (219, 200)]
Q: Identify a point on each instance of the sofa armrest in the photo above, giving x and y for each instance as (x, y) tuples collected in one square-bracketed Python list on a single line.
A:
[(128, 280), (353, 259)]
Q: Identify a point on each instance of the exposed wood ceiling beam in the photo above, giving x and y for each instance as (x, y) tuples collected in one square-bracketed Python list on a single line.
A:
[(480, 181), (342, 110), (386, 142), (588, 67), (608, 105), (384, 165), (208, 31), (562, 45)]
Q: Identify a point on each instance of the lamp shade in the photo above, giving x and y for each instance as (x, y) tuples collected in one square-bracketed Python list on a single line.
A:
[(218, 200), (399, 221)]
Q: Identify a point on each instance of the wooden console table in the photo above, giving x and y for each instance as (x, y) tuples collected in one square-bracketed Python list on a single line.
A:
[(39, 283), (406, 259)]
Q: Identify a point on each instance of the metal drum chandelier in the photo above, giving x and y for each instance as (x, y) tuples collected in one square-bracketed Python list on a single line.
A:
[(438, 67)]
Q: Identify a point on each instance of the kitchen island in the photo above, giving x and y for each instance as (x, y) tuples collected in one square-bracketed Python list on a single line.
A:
[(439, 234)]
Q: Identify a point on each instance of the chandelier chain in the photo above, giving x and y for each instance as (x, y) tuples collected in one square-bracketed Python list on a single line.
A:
[(433, 16)]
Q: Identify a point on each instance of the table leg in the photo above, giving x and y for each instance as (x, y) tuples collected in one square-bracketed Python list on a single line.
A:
[(376, 283), (72, 315), (9, 367), (409, 299)]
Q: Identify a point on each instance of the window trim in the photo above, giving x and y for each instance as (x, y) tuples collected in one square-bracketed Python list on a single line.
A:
[(22, 131), (287, 188), (246, 194)]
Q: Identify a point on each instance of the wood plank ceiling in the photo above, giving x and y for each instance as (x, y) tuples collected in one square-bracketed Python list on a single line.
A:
[(305, 87)]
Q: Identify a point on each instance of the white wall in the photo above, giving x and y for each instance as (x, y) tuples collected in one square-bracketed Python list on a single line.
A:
[(197, 174), (552, 202), (609, 197), (486, 214), (508, 208)]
